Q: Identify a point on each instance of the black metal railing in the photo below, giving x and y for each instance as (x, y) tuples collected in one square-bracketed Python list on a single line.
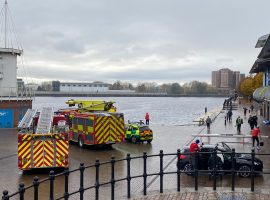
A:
[(196, 172)]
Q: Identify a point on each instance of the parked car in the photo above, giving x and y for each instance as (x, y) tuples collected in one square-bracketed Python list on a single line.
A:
[(138, 132), (243, 162)]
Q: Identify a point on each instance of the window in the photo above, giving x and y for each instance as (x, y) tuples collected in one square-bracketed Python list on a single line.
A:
[(63, 85), (81, 121), (74, 85), (89, 122), (84, 85)]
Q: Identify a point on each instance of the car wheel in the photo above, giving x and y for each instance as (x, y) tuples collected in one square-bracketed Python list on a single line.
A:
[(81, 143), (244, 171), (149, 141), (134, 140), (187, 168)]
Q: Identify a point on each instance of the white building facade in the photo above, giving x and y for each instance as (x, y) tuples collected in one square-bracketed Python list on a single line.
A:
[(8, 71), (84, 87)]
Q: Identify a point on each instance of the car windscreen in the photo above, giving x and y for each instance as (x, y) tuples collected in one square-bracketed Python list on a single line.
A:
[(144, 128)]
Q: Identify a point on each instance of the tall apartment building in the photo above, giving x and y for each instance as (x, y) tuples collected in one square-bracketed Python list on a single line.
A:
[(226, 80)]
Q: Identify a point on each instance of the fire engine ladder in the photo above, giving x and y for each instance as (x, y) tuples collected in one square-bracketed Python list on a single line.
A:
[(45, 121), (27, 119)]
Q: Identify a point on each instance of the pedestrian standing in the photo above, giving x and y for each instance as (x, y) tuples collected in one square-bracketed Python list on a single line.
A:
[(208, 121), (147, 118), (239, 122), (255, 120), (194, 146), (205, 110), (251, 122), (230, 115), (225, 122), (251, 107), (245, 111), (255, 136)]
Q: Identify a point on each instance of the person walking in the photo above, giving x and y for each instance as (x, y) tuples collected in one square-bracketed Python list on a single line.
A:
[(205, 110), (208, 121), (255, 120), (230, 115), (194, 146), (245, 111), (251, 107), (255, 136), (251, 122), (147, 118), (239, 122)]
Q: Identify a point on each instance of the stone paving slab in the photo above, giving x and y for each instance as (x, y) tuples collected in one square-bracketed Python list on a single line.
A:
[(207, 196)]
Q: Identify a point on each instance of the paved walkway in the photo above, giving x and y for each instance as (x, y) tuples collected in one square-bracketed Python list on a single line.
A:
[(219, 127), (208, 196)]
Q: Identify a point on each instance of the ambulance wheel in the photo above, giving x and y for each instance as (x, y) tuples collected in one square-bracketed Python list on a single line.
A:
[(134, 140), (81, 143)]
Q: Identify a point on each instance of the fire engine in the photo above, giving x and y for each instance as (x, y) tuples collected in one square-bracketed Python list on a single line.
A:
[(45, 144), (95, 123)]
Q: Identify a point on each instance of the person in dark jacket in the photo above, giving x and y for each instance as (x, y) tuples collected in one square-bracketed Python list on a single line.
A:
[(251, 122)]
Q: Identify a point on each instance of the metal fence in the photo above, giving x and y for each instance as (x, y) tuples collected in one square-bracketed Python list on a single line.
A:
[(195, 172)]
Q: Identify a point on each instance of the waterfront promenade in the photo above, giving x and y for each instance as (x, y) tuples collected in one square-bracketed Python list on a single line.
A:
[(223, 192), (182, 135)]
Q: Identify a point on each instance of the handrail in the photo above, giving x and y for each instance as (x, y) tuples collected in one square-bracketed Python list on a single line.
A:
[(82, 188)]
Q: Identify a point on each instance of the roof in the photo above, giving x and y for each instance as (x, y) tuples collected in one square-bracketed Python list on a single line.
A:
[(264, 56)]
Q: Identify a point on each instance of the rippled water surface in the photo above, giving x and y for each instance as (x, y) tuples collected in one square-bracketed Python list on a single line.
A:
[(162, 110)]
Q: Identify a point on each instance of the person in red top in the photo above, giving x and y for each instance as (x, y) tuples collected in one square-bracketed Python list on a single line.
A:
[(255, 136), (147, 118), (192, 148)]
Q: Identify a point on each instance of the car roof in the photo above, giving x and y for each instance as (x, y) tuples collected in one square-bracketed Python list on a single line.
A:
[(208, 146)]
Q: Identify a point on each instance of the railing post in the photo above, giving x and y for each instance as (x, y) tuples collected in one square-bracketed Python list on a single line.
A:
[(178, 169), (233, 168), (36, 184), (112, 177), (128, 175), (97, 164), (21, 191), (252, 169), (5, 195), (196, 169), (161, 170), (82, 168), (51, 177), (66, 194), (144, 172), (215, 169)]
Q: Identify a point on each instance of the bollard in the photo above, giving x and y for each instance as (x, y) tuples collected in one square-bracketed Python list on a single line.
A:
[(161, 170), (144, 173), (196, 169), (97, 164), (252, 169), (5, 195), (21, 191), (66, 194), (178, 169), (215, 170), (36, 184), (128, 158), (51, 177), (82, 168), (233, 168), (112, 177)]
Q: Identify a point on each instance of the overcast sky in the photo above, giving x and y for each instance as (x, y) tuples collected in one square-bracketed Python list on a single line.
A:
[(137, 40)]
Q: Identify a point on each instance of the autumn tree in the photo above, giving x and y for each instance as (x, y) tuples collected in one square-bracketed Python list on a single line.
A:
[(251, 83)]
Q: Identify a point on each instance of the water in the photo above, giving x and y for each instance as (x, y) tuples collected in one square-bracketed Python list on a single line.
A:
[(162, 110)]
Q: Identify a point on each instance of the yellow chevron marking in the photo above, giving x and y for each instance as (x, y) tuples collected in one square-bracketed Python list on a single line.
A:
[(25, 153), (101, 134), (26, 164), (46, 163), (40, 163), (25, 149), (22, 145), (38, 157)]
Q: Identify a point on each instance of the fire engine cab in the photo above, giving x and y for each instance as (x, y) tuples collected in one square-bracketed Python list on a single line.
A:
[(42, 140)]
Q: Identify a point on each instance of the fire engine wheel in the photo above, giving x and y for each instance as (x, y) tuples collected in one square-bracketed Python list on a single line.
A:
[(134, 140), (81, 143)]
